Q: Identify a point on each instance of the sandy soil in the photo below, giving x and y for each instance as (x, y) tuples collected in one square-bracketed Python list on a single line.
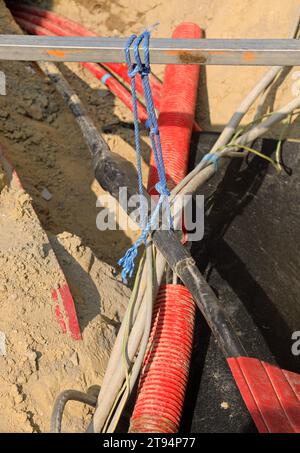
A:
[(40, 361), (47, 149)]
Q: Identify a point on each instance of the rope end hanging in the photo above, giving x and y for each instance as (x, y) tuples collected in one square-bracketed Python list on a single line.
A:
[(153, 26), (127, 262)]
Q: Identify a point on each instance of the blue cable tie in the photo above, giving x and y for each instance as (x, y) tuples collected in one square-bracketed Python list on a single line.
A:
[(105, 77), (211, 158)]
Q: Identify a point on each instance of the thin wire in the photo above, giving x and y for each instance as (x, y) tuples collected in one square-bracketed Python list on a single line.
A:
[(286, 125)]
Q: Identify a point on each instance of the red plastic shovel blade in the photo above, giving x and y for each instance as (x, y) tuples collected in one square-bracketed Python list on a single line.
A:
[(271, 395)]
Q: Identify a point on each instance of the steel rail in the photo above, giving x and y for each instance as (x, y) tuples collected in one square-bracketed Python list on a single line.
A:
[(249, 52)]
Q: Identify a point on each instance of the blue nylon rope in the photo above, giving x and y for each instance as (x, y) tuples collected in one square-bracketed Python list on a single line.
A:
[(127, 262)]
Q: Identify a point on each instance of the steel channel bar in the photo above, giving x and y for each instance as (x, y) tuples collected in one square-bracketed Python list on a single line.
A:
[(249, 52)]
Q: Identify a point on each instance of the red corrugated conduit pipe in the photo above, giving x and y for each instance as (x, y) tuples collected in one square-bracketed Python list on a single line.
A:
[(62, 26), (177, 111), (101, 74), (165, 370)]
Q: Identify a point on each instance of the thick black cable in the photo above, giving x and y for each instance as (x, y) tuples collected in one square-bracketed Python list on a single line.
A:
[(60, 404)]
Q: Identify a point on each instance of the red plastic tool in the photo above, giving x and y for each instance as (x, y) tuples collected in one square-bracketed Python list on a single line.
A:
[(271, 395)]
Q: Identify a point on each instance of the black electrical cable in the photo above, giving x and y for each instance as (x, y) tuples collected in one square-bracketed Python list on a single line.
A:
[(61, 401)]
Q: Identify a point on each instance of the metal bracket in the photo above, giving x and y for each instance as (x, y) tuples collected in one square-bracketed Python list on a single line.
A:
[(247, 52)]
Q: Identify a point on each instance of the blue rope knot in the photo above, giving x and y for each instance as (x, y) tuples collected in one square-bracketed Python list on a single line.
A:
[(162, 189), (154, 130), (144, 69), (133, 70), (150, 128)]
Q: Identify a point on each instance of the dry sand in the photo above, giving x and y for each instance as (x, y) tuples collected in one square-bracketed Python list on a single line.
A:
[(40, 361)]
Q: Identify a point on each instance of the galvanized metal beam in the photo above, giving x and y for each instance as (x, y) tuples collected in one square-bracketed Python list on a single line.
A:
[(249, 52)]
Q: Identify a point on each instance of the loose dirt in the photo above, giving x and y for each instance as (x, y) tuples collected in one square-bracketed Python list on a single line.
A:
[(37, 360)]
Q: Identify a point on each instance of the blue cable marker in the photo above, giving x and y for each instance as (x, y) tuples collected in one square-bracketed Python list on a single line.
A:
[(211, 158), (105, 77), (127, 262)]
